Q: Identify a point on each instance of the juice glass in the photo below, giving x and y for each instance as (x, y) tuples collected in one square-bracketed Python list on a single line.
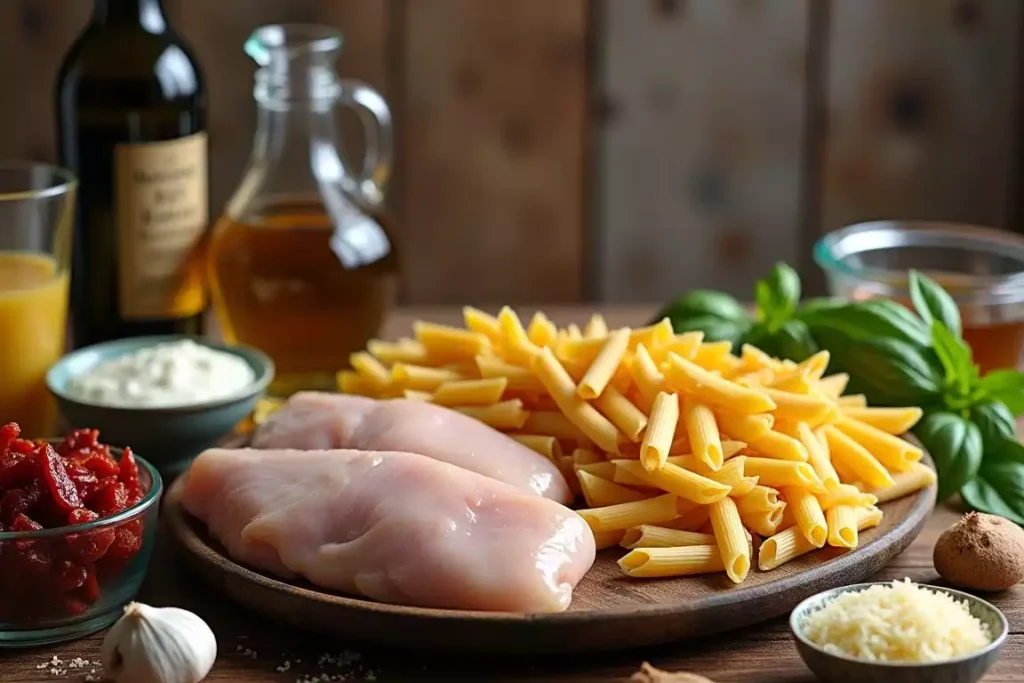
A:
[(981, 268), (37, 204)]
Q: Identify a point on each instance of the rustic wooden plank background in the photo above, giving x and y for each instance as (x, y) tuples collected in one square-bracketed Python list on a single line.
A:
[(619, 150)]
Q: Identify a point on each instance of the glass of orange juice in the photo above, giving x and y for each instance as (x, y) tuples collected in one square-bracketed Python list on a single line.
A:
[(981, 268), (37, 205)]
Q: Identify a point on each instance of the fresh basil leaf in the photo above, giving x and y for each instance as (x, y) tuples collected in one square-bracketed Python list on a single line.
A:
[(983, 495), (955, 445), (954, 355), (996, 424), (933, 302), (875, 318), (1008, 449), (812, 306), (1005, 386), (794, 342), (785, 287), (888, 371), (765, 301), (702, 302), (714, 329)]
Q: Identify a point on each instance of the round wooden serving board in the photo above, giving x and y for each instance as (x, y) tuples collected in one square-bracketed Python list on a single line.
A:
[(608, 611)]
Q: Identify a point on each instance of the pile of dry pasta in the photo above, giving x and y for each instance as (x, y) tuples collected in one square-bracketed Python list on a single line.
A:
[(682, 450)]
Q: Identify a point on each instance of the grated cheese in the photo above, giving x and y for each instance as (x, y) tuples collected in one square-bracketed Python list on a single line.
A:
[(901, 622)]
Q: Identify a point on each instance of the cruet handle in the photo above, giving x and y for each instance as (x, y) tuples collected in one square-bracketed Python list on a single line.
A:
[(376, 119)]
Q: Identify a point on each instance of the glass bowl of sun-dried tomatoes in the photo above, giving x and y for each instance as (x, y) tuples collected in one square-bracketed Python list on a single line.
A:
[(77, 524)]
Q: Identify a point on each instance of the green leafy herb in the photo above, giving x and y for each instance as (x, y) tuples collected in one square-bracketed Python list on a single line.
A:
[(871, 319), (956, 360), (998, 486), (701, 303), (933, 303), (995, 422), (955, 445), (1005, 386)]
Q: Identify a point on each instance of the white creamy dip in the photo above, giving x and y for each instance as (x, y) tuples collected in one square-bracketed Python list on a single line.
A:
[(172, 374)]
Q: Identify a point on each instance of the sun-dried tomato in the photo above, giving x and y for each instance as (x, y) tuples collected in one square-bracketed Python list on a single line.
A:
[(62, 490), (128, 471), (74, 484), (8, 433), (15, 502)]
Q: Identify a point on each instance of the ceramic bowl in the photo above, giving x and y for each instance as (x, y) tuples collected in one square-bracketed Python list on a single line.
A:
[(169, 437), (835, 668), (104, 563)]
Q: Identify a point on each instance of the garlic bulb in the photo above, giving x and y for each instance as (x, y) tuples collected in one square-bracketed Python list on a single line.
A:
[(158, 645)]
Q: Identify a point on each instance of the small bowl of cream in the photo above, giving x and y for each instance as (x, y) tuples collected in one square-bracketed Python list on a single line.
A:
[(169, 397)]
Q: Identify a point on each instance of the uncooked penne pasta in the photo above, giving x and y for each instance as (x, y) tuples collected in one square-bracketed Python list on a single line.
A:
[(673, 479), (790, 543), (652, 336), (919, 476), (753, 359), (685, 344), (558, 383), (818, 457), (370, 368), (852, 401), (606, 470), (702, 431), (517, 378), (649, 563), (630, 420), (717, 358), (778, 473), (851, 455), (585, 456), (691, 516), (518, 348), (541, 331), (793, 381), (731, 473), (389, 353), (350, 382), (413, 395), (833, 386), (421, 378), (760, 499), (596, 326), (766, 522), (892, 451), (815, 365), (547, 446), (504, 415), (889, 420), (747, 428), (470, 392), (779, 446), (647, 536), (801, 407), (654, 511), (608, 539), (846, 494), (648, 378), (482, 323), (842, 526), (600, 492), (807, 512), (553, 423), (731, 538), (446, 344), (661, 428), (601, 371), (709, 387)]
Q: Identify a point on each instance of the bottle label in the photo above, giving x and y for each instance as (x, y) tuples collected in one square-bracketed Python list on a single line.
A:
[(162, 216)]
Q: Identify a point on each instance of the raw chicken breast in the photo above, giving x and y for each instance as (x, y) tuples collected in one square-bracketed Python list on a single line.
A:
[(319, 421), (395, 527)]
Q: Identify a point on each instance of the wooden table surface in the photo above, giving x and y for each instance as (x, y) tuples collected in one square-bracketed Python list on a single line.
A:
[(252, 648)]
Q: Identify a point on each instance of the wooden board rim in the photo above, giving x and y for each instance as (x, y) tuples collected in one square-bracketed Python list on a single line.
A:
[(771, 599)]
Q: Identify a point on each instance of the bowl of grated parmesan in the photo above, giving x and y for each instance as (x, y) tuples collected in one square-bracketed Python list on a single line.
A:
[(898, 631)]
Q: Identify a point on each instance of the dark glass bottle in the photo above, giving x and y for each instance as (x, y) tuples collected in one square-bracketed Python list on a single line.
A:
[(131, 117)]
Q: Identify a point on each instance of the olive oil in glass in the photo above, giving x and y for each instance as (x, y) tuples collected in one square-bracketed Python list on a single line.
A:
[(131, 112), (299, 265)]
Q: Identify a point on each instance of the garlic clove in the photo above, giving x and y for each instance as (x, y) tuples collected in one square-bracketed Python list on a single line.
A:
[(158, 645)]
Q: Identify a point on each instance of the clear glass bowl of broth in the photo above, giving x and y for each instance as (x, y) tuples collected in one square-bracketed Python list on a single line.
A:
[(982, 268)]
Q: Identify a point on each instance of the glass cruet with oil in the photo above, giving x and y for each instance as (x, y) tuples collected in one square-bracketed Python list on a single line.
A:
[(300, 265)]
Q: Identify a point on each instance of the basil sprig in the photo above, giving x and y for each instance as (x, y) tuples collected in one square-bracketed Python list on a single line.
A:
[(894, 356)]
